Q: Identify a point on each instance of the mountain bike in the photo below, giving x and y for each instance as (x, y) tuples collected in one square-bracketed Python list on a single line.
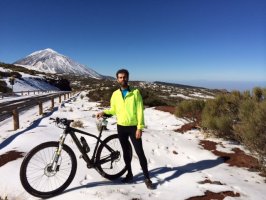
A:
[(49, 168)]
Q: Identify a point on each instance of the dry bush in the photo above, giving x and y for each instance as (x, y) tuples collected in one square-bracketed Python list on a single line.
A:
[(77, 124)]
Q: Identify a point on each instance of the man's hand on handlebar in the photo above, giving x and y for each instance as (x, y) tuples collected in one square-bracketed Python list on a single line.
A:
[(103, 115), (99, 115)]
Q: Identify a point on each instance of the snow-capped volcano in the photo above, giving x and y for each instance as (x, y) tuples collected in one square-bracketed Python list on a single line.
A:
[(50, 61)]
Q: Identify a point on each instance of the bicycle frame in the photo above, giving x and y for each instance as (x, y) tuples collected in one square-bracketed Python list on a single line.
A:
[(72, 131)]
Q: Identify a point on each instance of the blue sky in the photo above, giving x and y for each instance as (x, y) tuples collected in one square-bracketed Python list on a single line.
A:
[(168, 40)]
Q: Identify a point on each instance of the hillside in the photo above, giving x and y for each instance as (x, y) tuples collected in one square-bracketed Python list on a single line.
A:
[(154, 93)]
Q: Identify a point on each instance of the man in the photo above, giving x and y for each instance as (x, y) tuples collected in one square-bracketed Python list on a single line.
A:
[(127, 105)]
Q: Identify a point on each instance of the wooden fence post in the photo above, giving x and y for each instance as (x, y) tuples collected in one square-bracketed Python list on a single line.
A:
[(64, 96), (68, 95), (15, 119), (40, 108), (60, 100), (52, 101)]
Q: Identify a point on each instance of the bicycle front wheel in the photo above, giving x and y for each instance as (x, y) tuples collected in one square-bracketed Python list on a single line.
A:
[(36, 173), (109, 158)]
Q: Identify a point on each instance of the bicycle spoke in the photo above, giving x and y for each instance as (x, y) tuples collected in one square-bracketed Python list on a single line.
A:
[(43, 179)]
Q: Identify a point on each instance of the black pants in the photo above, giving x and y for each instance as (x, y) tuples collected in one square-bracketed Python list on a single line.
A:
[(124, 132)]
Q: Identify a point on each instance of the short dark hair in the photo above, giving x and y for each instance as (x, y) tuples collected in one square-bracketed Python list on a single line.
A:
[(122, 71)]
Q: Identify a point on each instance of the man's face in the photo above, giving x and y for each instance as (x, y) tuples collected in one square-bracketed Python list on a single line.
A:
[(122, 79)]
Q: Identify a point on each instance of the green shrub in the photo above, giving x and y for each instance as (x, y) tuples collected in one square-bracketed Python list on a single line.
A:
[(257, 93), (264, 93), (104, 95), (4, 88), (221, 113), (246, 95), (191, 109), (251, 128), (224, 125), (152, 99)]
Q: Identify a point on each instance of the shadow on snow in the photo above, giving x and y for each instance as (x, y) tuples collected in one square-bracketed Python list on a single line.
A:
[(32, 126), (177, 171)]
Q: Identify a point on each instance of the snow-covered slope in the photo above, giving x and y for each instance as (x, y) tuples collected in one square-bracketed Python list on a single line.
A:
[(30, 83), (177, 163), (50, 61)]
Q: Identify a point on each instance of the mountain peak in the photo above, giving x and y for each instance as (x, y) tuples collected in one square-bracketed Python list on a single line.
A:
[(50, 61), (50, 50), (44, 51)]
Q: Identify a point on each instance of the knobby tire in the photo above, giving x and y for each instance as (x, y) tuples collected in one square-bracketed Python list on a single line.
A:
[(38, 159)]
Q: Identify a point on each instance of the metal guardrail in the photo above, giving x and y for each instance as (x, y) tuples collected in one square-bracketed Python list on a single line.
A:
[(13, 107), (26, 92)]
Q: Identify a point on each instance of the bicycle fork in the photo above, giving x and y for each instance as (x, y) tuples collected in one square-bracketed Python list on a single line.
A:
[(54, 163)]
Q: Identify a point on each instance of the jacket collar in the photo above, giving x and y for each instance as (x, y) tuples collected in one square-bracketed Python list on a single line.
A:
[(129, 89)]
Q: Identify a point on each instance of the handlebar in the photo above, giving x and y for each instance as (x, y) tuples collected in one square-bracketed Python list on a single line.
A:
[(63, 121)]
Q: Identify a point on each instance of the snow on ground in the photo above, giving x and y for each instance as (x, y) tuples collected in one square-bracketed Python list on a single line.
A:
[(180, 95), (198, 94), (177, 163), (4, 69)]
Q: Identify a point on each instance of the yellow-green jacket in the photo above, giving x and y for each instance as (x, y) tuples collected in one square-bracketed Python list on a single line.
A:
[(129, 111)]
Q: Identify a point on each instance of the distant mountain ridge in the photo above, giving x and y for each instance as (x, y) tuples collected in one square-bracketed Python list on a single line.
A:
[(50, 61), (178, 85)]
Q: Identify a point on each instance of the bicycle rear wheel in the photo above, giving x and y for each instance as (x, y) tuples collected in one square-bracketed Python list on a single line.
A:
[(109, 158), (37, 176)]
